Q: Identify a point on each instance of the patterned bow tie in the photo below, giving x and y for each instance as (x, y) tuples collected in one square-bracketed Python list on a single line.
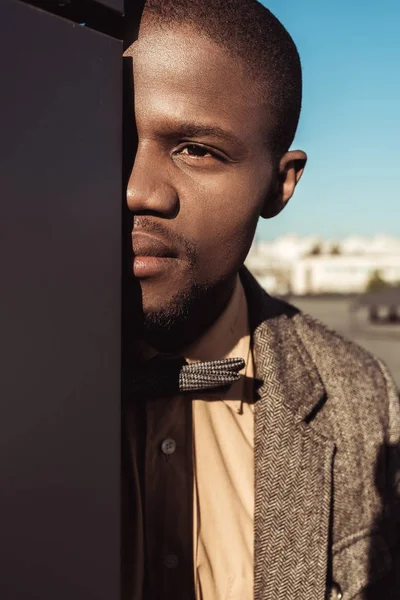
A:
[(168, 377)]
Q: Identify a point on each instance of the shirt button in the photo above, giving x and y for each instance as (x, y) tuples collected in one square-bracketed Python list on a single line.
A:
[(171, 561), (168, 446)]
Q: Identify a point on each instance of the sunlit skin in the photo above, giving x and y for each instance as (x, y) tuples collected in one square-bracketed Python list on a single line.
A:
[(202, 177)]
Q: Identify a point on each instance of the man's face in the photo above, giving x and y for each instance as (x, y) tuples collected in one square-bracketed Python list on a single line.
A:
[(202, 170)]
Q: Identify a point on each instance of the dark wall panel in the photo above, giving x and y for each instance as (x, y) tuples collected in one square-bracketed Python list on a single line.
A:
[(60, 247)]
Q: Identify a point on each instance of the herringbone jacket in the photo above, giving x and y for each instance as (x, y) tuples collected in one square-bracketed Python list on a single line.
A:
[(327, 461)]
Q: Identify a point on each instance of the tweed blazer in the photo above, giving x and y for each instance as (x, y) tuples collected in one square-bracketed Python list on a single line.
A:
[(327, 461)]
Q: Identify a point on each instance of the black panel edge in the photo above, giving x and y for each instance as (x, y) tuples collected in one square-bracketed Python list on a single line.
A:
[(92, 14), (85, 12), (53, 5)]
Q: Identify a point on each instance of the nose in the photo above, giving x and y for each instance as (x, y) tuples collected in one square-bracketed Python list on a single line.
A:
[(149, 191)]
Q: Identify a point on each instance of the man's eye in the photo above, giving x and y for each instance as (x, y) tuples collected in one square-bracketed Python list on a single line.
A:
[(197, 151)]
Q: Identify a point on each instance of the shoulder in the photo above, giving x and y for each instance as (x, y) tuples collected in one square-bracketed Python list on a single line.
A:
[(338, 357), (361, 412), (346, 369), (360, 392)]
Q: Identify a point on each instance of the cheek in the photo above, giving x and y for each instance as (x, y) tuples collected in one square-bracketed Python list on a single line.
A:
[(228, 243), (228, 221)]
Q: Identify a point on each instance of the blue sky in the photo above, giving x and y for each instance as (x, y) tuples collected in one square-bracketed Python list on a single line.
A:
[(350, 125)]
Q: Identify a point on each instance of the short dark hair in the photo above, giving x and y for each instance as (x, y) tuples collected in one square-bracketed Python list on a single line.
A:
[(251, 32)]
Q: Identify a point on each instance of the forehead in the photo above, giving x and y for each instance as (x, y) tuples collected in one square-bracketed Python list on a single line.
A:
[(182, 54), (181, 74)]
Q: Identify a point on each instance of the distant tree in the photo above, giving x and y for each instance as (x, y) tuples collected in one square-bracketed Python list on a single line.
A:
[(376, 282), (316, 250), (335, 250)]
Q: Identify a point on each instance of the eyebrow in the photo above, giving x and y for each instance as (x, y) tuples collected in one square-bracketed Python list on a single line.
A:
[(191, 129)]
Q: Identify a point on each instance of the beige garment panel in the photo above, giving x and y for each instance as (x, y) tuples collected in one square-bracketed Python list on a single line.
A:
[(223, 457)]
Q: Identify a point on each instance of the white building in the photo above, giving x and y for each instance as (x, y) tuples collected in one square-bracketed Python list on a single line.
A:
[(312, 265), (342, 274)]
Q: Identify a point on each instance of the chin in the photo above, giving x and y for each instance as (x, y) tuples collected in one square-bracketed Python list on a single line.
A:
[(171, 308), (164, 308)]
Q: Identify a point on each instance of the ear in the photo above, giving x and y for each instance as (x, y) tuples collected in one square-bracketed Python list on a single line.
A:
[(290, 170)]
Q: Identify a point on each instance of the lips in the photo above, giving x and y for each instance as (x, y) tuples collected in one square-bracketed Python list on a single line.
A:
[(153, 256), (146, 244)]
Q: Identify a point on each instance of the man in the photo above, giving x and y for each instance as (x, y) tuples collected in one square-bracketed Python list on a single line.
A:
[(282, 486)]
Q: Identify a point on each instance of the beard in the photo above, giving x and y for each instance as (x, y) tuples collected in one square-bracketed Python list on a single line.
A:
[(181, 309), (185, 317)]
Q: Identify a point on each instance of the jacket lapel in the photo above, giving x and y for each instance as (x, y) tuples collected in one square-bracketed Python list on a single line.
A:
[(293, 463)]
